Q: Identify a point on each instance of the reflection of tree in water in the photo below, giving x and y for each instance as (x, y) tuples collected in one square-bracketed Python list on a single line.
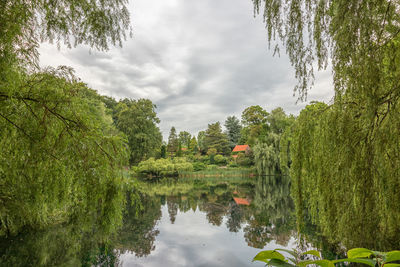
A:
[(214, 212), (216, 203), (236, 217), (138, 232), (273, 210), (173, 205), (258, 232), (71, 245)]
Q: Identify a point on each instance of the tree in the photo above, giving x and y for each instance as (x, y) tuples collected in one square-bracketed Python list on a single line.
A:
[(200, 139), (350, 146), (61, 158), (26, 23), (138, 120), (194, 147), (163, 153), (214, 138), (278, 120), (254, 115), (173, 141), (184, 138), (57, 144), (233, 128), (254, 118)]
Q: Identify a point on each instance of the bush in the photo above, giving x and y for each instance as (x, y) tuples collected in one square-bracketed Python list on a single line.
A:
[(220, 160), (164, 167), (233, 164), (199, 166), (243, 160)]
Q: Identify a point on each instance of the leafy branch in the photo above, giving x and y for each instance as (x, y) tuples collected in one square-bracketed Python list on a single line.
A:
[(355, 255)]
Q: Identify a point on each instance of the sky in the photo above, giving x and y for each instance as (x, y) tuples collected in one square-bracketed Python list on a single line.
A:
[(198, 61)]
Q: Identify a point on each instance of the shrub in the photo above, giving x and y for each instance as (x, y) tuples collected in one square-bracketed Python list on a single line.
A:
[(220, 160), (233, 164), (243, 160), (164, 167), (199, 166)]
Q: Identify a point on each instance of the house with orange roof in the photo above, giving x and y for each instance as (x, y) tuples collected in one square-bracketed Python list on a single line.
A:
[(241, 148)]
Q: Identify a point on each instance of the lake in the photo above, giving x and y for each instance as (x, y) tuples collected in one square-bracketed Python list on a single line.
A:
[(185, 222)]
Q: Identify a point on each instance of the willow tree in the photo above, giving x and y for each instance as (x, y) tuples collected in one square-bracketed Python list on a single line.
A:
[(60, 156), (350, 152)]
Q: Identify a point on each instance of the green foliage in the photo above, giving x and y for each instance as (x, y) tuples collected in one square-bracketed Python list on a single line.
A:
[(138, 120), (184, 139), (244, 160), (194, 147), (26, 23), (200, 139), (60, 156), (266, 159), (163, 153), (57, 144), (233, 164), (254, 115), (173, 141), (220, 160), (215, 139), (233, 128), (164, 167), (179, 152), (358, 165), (355, 255), (198, 166), (351, 147)]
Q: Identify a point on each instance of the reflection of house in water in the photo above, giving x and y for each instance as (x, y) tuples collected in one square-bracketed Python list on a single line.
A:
[(241, 201)]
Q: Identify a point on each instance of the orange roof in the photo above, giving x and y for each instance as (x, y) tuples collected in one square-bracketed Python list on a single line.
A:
[(240, 148), (234, 156), (241, 201)]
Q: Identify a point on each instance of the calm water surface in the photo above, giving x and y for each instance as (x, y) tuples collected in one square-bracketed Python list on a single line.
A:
[(182, 223)]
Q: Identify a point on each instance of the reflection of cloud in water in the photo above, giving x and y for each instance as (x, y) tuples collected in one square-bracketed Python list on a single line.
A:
[(199, 227), (193, 241)]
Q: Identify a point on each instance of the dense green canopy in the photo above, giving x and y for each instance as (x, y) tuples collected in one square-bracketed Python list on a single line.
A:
[(60, 156), (345, 155)]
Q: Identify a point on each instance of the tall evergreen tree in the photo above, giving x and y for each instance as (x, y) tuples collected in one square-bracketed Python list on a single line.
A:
[(233, 128), (173, 141), (215, 138)]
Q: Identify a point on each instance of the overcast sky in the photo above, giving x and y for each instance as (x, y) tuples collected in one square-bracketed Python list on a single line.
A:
[(199, 61)]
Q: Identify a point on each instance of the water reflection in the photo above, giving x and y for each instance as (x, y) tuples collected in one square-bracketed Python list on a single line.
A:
[(181, 223)]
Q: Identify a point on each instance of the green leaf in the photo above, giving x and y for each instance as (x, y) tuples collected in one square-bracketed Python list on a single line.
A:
[(322, 263), (359, 253), (291, 252), (369, 262), (312, 252), (392, 256), (392, 265), (266, 255), (279, 263)]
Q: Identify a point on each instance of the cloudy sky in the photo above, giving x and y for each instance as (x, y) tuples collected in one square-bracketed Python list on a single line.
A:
[(198, 61)]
